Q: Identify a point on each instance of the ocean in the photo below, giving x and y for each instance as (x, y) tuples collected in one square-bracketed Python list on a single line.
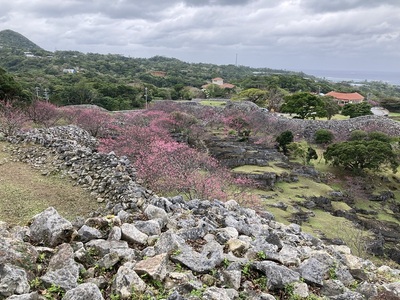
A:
[(356, 76)]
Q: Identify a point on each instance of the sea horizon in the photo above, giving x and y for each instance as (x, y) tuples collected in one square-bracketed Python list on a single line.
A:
[(356, 76)]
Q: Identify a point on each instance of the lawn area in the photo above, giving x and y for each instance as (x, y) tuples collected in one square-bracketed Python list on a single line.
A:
[(24, 192), (250, 169), (213, 102)]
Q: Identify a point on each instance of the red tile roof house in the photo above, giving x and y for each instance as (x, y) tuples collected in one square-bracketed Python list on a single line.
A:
[(345, 98)]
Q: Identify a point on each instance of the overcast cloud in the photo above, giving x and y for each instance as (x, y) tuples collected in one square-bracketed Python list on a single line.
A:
[(282, 34)]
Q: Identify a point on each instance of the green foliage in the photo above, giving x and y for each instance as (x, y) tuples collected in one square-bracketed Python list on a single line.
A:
[(331, 107), (197, 292), (391, 103), (54, 291), (332, 272), (35, 283), (361, 135), (254, 95), (10, 89), (178, 268), (362, 154), (115, 297), (261, 282), (354, 110), (226, 262), (115, 82), (304, 105), (261, 255), (303, 151), (284, 139), (12, 39), (323, 136), (246, 269), (358, 135)]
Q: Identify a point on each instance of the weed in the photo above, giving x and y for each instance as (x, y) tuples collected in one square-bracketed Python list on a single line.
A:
[(41, 258), (115, 297), (53, 292), (332, 272), (261, 282), (289, 290), (246, 269), (197, 293), (214, 272), (261, 255), (35, 283), (354, 285), (176, 252), (226, 262), (178, 268)]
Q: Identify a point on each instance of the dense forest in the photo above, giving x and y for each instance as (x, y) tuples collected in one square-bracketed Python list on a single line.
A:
[(116, 82)]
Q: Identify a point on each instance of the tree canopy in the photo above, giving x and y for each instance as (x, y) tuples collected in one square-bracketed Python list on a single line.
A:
[(354, 110), (362, 154), (304, 105)]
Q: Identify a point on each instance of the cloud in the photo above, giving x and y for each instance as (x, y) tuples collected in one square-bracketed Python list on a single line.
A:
[(319, 6), (286, 33)]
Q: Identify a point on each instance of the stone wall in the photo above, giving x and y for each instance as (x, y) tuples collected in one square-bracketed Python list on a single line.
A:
[(307, 128)]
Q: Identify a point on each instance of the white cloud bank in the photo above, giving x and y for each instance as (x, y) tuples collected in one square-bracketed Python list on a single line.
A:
[(283, 34)]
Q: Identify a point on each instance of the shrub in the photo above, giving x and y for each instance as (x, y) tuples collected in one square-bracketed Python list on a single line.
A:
[(43, 113), (12, 118), (284, 139), (323, 136), (358, 135)]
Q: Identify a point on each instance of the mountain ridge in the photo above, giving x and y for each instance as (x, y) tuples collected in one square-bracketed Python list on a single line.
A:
[(13, 39)]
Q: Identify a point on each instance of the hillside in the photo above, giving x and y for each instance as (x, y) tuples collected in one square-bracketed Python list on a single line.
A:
[(14, 40), (116, 82), (149, 247)]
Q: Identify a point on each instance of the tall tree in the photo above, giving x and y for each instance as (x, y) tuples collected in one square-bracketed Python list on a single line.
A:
[(362, 154), (304, 105), (331, 106), (354, 110), (254, 95)]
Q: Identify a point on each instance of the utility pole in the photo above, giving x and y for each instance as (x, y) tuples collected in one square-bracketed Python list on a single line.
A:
[(145, 95), (46, 94)]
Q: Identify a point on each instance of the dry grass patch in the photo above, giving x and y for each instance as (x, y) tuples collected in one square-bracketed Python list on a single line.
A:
[(24, 192)]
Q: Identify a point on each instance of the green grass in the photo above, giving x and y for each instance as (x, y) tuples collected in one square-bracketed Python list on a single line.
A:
[(335, 117), (251, 169), (213, 103), (24, 192), (394, 116)]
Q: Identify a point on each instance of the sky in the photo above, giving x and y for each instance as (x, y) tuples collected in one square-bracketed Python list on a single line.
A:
[(296, 35)]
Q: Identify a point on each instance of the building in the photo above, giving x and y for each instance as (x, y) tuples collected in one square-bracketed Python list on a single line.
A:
[(346, 98), (158, 73), (69, 71), (220, 82)]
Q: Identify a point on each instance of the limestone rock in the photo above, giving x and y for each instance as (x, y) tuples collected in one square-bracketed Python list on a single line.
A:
[(132, 235), (210, 257), (84, 291), (87, 233), (13, 280), (155, 267), (50, 229), (127, 280), (62, 271), (278, 276)]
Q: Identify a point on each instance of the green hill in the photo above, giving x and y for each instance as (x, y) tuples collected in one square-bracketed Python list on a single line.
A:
[(12, 39)]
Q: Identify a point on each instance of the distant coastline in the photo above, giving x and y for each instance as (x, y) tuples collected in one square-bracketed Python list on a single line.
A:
[(356, 76)]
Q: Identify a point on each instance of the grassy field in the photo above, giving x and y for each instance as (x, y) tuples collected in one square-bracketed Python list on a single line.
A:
[(321, 223), (213, 103), (24, 192)]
